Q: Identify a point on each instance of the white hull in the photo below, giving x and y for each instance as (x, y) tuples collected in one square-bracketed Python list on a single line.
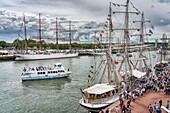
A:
[(44, 56), (96, 107), (98, 54), (45, 77)]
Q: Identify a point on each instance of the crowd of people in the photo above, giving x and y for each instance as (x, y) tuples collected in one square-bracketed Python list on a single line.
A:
[(160, 82), (157, 83)]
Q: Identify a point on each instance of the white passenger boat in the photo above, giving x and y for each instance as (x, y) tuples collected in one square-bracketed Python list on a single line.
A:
[(45, 73)]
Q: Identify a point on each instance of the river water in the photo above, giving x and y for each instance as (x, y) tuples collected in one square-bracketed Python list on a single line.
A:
[(47, 96)]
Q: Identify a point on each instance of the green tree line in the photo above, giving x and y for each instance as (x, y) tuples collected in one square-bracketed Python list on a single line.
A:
[(32, 44)]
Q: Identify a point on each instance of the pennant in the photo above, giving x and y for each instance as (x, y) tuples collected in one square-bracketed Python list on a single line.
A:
[(152, 27), (150, 31), (116, 62), (114, 4), (111, 23)]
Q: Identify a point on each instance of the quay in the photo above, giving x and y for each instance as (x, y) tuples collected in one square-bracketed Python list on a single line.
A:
[(7, 57), (140, 105), (153, 92)]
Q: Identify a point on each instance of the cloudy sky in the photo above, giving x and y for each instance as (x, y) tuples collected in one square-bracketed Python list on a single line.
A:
[(158, 11)]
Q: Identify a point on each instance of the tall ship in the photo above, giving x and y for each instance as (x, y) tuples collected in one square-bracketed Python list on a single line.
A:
[(45, 56), (41, 55), (118, 79), (162, 63)]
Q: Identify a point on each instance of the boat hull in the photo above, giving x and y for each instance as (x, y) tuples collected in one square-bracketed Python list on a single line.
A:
[(96, 108), (31, 78), (42, 56)]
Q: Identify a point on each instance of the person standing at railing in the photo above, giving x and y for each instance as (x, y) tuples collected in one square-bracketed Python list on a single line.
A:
[(167, 104)]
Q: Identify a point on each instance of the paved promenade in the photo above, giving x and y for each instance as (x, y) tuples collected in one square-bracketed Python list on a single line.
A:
[(141, 103)]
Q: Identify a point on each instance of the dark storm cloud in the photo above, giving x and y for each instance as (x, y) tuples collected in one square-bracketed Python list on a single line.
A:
[(158, 11), (164, 1), (58, 7)]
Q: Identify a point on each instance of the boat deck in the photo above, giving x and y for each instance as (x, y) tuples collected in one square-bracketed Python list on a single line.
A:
[(141, 103)]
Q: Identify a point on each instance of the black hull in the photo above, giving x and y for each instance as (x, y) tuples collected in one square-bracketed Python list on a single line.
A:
[(95, 110)]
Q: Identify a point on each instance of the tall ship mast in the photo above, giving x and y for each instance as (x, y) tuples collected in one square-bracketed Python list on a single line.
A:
[(25, 36), (162, 64), (56, 34), (141, 56), (40, 31), (70, 46)]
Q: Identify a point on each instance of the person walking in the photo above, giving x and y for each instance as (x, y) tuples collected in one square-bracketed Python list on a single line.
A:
[(150, 108), (107, 111), (158, 110), (155, 106), (128, 103), (129, 111), (160, 102), (167, 104), (102, 111), (116, 109)]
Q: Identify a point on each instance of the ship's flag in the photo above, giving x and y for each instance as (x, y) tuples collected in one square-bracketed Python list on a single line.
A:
[(152, 27), (111, 25), (116, 62), (114, 4), (102, 31), (150, 31)]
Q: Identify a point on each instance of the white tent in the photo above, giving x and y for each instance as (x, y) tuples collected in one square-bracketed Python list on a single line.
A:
[(99, 89), (135, 73)]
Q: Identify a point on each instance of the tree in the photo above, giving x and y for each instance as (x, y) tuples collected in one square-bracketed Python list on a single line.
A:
[(3, 44)]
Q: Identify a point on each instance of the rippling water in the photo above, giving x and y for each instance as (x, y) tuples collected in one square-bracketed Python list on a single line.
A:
[(47, 96)]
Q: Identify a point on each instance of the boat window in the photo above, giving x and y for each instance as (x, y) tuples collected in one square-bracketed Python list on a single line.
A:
[(98, 96), (59, 65), (117, 90), (113, 92)]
